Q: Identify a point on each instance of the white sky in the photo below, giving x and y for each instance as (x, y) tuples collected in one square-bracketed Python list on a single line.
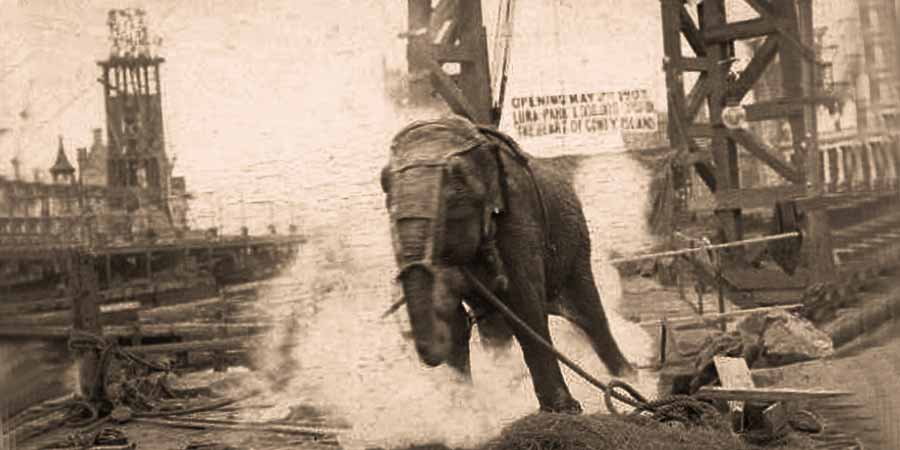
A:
[(244, 74)]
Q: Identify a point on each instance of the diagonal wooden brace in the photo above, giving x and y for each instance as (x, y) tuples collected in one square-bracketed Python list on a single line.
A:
[(761, 151), (754, 70), (445, 86), (764, 8)]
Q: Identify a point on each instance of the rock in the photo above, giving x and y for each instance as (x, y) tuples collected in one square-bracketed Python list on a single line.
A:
[(787, 338)]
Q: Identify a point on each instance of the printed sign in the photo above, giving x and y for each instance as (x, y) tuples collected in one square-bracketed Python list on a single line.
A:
[(627, 111)]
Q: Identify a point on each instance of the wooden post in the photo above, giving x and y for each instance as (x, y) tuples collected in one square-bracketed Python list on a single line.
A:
[(723, 147), (149, 265), (108, 270), (82, 285), (799, 77), (663, 338), (220, 358), (475, 77), (418, 17), (674, 20)]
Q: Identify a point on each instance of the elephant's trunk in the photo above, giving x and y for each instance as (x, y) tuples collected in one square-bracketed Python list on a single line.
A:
[(415, 214)]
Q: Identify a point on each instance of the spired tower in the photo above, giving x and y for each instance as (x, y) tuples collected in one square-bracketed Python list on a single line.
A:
[(137, 160)]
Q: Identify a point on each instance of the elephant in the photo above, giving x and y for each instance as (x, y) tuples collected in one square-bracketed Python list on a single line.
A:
[(463, 197)]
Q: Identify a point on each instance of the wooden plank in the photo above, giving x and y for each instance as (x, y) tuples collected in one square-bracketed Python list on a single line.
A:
[(691, 33), (754, 70), (744, 29), (698, 95), (734, 374), (691, 158), (151, 330), (444, 53), (445, 86), (772, 109), (475, 78), (763, 197), (205, 345), (767, 394), (702, 130), (179, 312), (762, 152), (694, 64), (106, 296), (684, 320), (445, 33), (767, 11)]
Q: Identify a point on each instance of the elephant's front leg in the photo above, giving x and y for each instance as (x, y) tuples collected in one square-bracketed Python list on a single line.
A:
[(526, 299)]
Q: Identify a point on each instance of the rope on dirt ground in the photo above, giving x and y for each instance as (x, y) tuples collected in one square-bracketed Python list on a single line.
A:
[(81, 340), (774, 237), (685, 409)]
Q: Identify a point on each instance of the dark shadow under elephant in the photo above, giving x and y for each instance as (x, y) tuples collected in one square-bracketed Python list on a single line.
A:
[(466, 197)]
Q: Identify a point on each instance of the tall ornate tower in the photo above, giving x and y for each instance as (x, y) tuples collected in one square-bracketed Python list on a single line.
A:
[(137, 158), (62, 171)]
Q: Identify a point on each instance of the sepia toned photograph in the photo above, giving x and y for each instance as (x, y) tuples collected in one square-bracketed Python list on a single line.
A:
[(449, 224)]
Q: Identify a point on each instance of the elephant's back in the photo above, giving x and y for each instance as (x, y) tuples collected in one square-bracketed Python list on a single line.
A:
[(565, 215)]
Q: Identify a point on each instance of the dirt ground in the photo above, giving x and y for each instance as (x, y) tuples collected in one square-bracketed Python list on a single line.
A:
[(869, 367)]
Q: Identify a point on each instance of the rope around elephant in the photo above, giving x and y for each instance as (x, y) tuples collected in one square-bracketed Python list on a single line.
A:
[(684, 409)]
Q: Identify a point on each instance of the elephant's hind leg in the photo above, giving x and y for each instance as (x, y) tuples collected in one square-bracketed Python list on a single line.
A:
[(582, 307)]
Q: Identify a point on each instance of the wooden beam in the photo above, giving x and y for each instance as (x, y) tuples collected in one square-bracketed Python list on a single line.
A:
[(772, 109), (699, 94), (445, 33), (768, 11), (724, 149), (750, 142), (691, 33), (172, 329), (694, 157), (205, 345), (689, 64), (754, 70), (445, 86), (745, 29), (766, 394), (675, 22), (475, 78), (763, 197), (734, 373), (782, 107), (443, 53), (719, 316), (702, 130)]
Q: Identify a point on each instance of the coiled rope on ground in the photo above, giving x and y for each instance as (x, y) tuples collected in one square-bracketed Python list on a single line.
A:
[(685, 409), (136, 395)]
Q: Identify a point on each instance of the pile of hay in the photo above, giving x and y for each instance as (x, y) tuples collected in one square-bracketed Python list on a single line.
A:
[(601, 432)]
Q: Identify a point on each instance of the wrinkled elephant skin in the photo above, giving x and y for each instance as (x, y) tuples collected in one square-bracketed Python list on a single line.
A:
[(448, 194)]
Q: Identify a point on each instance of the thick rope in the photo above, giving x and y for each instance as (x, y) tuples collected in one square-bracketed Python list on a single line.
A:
[(685, 409), (80, 340), (497, 303), (774, 237)]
